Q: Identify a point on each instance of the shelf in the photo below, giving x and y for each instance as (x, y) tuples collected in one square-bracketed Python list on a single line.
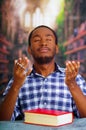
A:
[(4, 51), (4, 61), (4, 41), (84, 75), (4, 71), (1, 91), (75, 50), (80, 35), (5, 45), (4, 81)]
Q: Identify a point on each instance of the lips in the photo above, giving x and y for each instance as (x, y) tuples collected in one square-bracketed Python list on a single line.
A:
[(43, 50)]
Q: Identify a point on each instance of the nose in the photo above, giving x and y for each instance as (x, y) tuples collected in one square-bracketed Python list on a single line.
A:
[(43, 42)]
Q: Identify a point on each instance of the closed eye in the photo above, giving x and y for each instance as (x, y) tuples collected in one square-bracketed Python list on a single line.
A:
[(48, 39), (36, 39)]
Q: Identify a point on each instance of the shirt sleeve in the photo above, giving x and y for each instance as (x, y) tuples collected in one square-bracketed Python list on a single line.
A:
[(17, 110), (81, 83), (17, 114), (8, 87)]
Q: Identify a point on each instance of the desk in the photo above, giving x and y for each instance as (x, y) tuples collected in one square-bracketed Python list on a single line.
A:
[(78, 124)]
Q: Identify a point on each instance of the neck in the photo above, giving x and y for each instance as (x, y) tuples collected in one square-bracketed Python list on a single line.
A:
[(45, 69)]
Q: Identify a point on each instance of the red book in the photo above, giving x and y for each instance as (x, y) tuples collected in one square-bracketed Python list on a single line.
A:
[(48, 117)]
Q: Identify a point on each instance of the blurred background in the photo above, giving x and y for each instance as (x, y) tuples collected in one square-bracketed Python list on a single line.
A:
[(19, 17)]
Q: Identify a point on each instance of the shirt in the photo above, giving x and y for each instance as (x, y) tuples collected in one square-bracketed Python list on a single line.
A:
[(49, 92)]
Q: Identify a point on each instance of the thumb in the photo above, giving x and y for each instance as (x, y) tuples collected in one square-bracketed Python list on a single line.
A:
[(28, 72)]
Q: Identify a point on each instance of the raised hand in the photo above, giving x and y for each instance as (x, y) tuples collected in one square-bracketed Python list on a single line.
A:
[(72, 69), (21, 70)]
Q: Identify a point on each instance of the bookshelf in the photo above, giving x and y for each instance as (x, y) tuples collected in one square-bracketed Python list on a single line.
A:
[(74, 39), (4, 61), (76, 50)]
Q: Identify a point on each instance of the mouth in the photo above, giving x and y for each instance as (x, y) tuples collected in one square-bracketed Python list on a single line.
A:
[(43, 49)]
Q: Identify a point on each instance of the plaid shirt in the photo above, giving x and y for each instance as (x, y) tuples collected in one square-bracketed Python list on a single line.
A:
[(49, 92)]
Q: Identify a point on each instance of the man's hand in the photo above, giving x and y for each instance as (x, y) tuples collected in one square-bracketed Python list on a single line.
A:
[(72, 69), (21, 70)]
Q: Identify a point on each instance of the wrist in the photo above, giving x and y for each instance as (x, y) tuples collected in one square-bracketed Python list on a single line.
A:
[(16, 86), (71, 84)]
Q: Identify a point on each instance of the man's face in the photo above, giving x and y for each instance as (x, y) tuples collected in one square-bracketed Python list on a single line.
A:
[(43, 47)]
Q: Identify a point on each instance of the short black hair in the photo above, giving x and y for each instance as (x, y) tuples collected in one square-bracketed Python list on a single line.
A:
[(30, 35)]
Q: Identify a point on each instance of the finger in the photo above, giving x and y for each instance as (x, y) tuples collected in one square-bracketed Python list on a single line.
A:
[(68, 74), (71, 69), (69, 66), (22, 63), (25, 61), (76, 65), (28, 72), (20, 68), (20, 60), (15, 63), (73, 66)]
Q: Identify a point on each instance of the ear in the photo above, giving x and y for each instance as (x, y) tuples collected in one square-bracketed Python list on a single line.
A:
[(29, 50), (57, 49)]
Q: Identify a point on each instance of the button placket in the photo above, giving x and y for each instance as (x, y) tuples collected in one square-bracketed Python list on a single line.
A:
[(43, 101), (44, 92)]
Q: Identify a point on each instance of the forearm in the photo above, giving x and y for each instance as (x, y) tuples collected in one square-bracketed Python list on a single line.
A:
[(7, 106), (19, 74), (78, 97)]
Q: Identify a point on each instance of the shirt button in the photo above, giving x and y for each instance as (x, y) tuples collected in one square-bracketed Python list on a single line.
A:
[(46, 80), (45, 90), (45, 103)]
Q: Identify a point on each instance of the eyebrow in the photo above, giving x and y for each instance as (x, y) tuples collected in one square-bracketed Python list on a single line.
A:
[(36, 35), (49, 35)]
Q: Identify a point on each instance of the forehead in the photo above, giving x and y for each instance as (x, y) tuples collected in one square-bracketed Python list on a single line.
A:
[(42, 31)]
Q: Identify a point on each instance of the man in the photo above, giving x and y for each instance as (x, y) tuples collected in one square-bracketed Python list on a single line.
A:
[(47, 85)]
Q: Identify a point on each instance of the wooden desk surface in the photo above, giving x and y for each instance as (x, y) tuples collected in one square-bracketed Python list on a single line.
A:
[(78, 124)]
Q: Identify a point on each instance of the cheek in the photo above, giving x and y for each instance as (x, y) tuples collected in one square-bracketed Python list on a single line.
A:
[(33, 51), (53, 47), (30, 50)]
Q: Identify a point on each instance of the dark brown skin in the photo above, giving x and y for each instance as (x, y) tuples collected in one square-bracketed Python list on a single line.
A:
[(42, 44)]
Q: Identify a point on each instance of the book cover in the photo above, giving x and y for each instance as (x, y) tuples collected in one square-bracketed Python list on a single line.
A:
[(48, 117)]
